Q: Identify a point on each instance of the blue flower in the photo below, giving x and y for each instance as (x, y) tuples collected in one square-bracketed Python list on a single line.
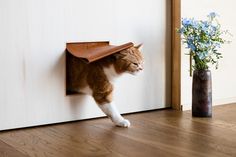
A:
[(214, 28), (205, 45), (205, 23), (202, 38), (205, 26), (186, 22), (217, 45), (202, 55), (212, 15), (195, 24), (191, 44), (181, 30)]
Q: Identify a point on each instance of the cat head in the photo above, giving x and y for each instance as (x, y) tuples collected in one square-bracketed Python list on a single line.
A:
[(129, 60)]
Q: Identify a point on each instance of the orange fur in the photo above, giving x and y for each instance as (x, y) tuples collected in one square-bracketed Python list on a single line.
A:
[(93, 74)]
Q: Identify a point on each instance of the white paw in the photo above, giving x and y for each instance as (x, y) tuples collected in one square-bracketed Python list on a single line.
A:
[(124, 123)]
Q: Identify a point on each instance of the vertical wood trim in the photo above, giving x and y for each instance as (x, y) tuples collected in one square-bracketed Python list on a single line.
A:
[(176, 55)]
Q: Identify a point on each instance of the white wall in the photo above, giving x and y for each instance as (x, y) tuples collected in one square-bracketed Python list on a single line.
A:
[(223, 79), (33, 34)]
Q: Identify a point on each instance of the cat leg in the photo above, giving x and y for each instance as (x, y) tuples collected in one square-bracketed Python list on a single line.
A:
[(104, 101), (102, 94), (111, 111)]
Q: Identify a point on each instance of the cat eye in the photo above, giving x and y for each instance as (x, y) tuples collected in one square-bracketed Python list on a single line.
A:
[(135, 64)]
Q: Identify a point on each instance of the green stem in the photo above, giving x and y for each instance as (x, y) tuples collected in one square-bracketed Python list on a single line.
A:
[(191, 63)]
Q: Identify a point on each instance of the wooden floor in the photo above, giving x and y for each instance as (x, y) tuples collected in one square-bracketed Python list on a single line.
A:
[(164, 133)]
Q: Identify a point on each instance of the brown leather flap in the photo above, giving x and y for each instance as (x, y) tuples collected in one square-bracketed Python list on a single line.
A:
[(92, 51)]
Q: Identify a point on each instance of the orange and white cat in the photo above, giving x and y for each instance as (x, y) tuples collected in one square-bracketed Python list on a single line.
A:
[(96, 79)]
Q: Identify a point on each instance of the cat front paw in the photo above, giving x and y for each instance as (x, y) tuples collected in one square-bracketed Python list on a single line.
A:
[(124, 123)]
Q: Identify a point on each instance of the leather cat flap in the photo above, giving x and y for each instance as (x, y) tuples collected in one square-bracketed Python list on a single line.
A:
[(92, 51)]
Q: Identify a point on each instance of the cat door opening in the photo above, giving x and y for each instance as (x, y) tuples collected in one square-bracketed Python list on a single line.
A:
[(87, 52)]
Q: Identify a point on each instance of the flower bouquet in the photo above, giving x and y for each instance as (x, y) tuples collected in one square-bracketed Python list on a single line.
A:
[(203, 38)]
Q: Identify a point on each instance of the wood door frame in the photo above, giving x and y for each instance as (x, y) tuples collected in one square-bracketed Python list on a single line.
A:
[(175, 55)]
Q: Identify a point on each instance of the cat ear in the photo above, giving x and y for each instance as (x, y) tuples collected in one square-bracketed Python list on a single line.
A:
[(138, 46)]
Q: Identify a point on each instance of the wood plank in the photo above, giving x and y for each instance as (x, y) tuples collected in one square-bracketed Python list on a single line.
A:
[(30, 144), (200, 136), (223, 117), (38, 142), (157, 133), (8, 151), (147, 129), (113, 144), (77, 140)]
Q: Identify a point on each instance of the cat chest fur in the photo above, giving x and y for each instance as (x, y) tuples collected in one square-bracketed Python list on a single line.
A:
[(110, 74)]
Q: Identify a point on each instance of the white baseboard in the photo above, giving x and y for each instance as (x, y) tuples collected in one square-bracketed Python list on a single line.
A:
[(215, 103)]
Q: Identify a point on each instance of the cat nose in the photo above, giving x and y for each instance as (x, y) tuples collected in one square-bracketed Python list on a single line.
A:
[(140, 67)]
